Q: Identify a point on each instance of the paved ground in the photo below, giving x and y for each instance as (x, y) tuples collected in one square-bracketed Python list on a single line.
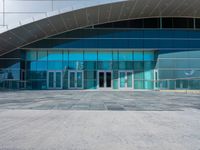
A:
[(101, 100), (72, 120)]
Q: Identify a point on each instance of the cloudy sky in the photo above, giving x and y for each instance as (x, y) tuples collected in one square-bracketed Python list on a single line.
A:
[(13, 11)]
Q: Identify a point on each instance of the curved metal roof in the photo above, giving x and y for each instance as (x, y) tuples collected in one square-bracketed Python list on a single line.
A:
[(102, 13)]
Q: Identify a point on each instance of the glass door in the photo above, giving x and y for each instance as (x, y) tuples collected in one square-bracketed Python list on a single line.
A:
[(104, 79), (126, 79), (75, 79), (54, 80)]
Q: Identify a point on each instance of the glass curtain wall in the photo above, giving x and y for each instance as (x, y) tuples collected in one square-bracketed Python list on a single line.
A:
[(86, 64)]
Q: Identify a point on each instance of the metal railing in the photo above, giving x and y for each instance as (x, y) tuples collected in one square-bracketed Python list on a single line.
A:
[(12, 84)]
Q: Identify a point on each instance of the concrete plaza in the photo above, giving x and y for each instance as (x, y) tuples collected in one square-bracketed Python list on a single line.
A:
[(100, 120)]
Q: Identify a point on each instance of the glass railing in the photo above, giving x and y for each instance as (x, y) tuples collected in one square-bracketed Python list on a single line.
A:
[(178, 84), (168, 84), (12, 84)]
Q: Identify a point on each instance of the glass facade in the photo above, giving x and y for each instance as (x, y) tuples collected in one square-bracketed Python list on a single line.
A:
[(108, 57), (81, 69)]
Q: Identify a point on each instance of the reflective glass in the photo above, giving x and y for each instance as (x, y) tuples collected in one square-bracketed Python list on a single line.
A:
[(51, 80), (138, 55), (65, 55), (122, 79), (58, 79), (90, 65), (148, 75), (90, 56), (31, 55), (32, 65), (115, 56), (41, 65), (105, 65), (79, 79), (148, 85), (42, 55), (115, 65), (90, 84), (75, 65), (90, 75), (115, 79), (129, 79), (101, 79), (55, 55), (148, 65), (75, 56), (55, 65), (138, 84), (72, 79), (138, 65), (148, 56), (125, 56), (108, 79), (138, 75), (11, 74), (105, 56), (122, 65)]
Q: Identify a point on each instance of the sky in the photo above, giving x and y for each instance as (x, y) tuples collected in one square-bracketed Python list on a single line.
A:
[(14, 11)]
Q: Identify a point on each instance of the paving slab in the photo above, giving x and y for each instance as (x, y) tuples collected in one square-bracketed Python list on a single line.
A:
[(99, 120)]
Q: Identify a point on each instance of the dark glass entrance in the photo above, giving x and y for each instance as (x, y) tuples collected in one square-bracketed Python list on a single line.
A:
[(105, 79)]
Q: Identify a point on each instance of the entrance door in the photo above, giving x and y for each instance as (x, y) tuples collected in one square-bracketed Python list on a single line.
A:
[(104, 79), (126, 79), (75, 79), (54, 80)]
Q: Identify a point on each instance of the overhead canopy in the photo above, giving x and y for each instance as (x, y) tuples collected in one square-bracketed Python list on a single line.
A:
[(99, 14)]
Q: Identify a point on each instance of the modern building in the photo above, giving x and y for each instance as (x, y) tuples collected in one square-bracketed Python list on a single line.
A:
[(118, 44)]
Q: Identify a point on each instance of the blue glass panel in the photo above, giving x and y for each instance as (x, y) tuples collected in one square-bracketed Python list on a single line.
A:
[(36, 75), (12, 74), (138, 84), (90, 84), (31, 55), (65, 65), (105, 65), (33, 65), (54, 55), (75, 65), (148, 56), (38, 84), (148, 65), (55, 65), (138, 55), (90, 65), (105, 56), (65, 55), (122, 65), (42, 55), (138, 75), (76, 56), (115, 56), (148, 75), (138, 65), (125, 56), (41, 65), (90, 55), (115, 65)]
